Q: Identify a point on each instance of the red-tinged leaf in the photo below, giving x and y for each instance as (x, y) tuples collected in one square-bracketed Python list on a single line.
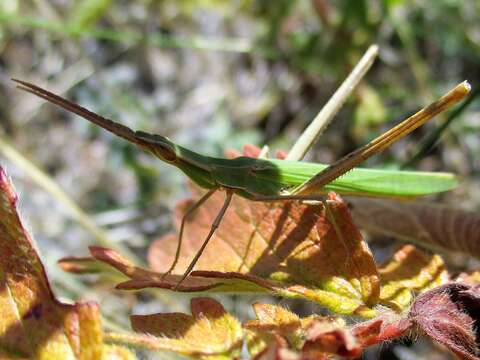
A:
[(210, 332), (142, 278), (248, 151), (324, 338), (434, 226), (410, 271), (384, 328), (450, 314), (82, 265), (290, 249), (33, 323), (318, 335)]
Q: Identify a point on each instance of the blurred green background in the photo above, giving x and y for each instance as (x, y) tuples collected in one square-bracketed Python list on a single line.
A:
[(214, 75)]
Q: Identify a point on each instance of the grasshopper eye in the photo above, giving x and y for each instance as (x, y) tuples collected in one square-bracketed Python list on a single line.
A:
[(164, 151), (158, 145)]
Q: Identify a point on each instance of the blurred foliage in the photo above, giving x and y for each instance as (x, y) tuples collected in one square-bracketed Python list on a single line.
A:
[(211, 75)]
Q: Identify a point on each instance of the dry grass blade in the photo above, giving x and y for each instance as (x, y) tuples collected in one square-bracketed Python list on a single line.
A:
[(331, 108)]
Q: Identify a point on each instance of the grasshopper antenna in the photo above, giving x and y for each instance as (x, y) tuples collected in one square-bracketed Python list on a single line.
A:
[(109, 125)]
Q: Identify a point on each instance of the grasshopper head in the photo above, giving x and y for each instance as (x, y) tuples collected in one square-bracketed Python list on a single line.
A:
[(158, 145)]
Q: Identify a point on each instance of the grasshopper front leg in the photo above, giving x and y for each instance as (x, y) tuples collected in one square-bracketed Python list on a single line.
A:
[(213, 227), (189, 212)]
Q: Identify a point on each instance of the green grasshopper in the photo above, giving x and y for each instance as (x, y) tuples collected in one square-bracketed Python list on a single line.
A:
[(280, 180)]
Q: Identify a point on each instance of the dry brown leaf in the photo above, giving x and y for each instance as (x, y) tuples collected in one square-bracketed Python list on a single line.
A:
[(438, 227)]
